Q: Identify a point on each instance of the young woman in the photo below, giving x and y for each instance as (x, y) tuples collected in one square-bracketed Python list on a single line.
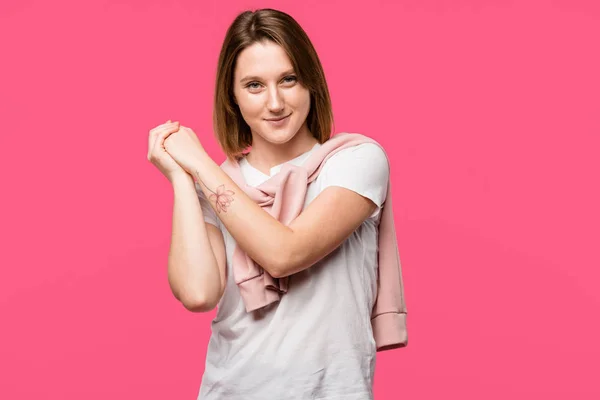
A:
[(283, 237)]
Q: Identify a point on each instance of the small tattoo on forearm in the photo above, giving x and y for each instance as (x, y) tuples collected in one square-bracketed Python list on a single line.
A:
[(222, 198)]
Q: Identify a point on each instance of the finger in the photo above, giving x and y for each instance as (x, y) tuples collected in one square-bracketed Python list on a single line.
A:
[(158, 139), (152, 136), (152, 144), (161, 136), (153, 130), (173, 126)]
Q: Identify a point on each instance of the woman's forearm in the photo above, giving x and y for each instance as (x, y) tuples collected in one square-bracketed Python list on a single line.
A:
[(262, 237), (192, 268)]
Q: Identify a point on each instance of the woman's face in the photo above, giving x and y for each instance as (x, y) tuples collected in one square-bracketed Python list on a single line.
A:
[(272, 101)]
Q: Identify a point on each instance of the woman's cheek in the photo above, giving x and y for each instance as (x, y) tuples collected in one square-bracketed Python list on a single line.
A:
[(254, 104), (300, 97)]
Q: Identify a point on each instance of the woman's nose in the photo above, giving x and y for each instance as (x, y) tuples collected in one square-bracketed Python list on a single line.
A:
[(275, 101)]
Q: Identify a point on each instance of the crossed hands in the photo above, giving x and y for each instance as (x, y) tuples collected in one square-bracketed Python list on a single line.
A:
[(174, 149)]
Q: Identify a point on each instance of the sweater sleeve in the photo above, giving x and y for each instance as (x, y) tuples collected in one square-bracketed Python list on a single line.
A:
[(388, 318)]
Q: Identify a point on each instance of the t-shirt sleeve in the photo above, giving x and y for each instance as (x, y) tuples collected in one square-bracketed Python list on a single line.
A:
[(209, 214), (363, 169)]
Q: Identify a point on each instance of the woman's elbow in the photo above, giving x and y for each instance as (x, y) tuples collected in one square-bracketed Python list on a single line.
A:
[(200, 302), (283, 265), (277, 273)]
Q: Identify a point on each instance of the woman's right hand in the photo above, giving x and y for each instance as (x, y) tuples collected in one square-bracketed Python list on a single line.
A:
[(158, 155)]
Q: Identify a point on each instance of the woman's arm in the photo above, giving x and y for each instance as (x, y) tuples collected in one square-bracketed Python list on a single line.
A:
[(283, 250), (196, 267)]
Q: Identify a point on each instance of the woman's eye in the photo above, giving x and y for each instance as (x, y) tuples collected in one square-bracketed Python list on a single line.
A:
[(254, 85), (257, 85)]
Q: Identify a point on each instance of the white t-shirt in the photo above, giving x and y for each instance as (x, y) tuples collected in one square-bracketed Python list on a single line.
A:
[(316, 342)]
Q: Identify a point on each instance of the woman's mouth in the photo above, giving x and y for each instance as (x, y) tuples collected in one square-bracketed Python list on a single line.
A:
[(278, 122)]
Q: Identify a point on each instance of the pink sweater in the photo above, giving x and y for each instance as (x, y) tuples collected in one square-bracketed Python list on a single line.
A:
[(283, 197)]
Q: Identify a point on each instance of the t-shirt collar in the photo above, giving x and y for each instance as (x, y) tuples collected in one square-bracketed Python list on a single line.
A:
[(255, 177)]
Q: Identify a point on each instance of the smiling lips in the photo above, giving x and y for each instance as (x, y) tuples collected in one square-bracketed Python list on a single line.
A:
[(278, 121)]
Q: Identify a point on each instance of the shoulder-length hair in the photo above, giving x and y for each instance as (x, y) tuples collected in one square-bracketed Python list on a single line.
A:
[(249, 27)]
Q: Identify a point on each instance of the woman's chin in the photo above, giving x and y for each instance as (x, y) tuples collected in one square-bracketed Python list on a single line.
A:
[(278, 136)]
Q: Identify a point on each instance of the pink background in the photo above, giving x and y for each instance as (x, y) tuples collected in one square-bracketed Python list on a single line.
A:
[(489, 111)]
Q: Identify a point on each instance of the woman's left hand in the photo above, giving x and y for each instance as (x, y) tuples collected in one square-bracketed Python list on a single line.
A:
[(185, 148)]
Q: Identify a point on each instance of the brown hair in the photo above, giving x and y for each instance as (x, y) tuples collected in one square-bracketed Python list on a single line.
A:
[(249, 27)]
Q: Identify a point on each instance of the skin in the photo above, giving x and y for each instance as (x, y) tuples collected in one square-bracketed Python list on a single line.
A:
[(265, 86), (281, 250)]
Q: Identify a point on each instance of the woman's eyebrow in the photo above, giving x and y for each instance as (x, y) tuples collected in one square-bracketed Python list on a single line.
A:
[(258, 78)]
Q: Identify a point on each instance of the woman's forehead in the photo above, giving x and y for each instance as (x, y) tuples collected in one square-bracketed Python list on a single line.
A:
[(264, 60)]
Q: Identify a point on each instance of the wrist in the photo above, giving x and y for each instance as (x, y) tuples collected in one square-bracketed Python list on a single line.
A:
[(181, 178), (201, 166)]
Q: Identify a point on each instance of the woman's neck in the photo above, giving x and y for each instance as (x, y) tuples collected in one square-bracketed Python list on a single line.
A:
[(265, 155)]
